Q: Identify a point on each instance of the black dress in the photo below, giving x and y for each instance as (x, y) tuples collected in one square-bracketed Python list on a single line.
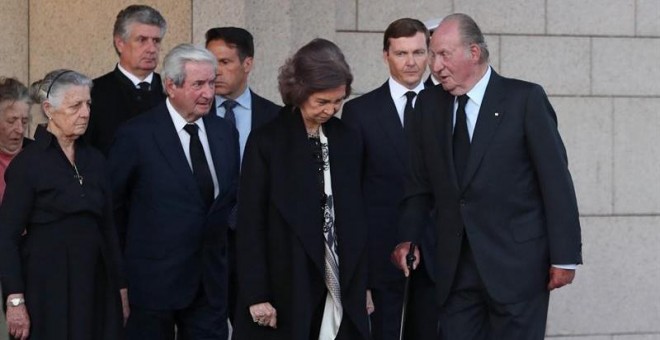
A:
[(67, 263)]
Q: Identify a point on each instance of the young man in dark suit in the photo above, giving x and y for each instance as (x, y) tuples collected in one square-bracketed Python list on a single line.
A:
[(174, 175), (132, 87), (381, 116), (234, 49), (237, 103), (487, 157)]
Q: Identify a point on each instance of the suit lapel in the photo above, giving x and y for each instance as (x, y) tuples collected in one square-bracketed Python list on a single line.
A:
[(169, 144), (487, 122), (219, 152), (301, 200), (443, 121), (389, 120), (258, 117), (350, 240)]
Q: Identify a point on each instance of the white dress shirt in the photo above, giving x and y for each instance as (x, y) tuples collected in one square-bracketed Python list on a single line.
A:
[(398, 93), (135, 80), (184, 137)]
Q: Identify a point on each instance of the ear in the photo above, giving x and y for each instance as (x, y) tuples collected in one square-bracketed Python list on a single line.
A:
[(385, 55), (247, 64), (119, 43), (169, 87), (46, 107), (475, 53)]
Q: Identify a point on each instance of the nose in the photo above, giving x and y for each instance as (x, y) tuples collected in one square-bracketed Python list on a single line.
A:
[(84, 111), (410, 60), (437, 64), (19, 126)]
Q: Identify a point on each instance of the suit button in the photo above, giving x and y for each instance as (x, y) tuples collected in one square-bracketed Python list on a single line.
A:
[(462, 203), (459, 234), (82, 195)]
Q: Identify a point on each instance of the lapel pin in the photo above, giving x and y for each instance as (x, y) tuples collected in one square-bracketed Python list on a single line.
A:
[(497, 114)]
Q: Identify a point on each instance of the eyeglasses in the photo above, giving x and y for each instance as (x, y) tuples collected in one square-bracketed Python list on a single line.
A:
[(50, 87)]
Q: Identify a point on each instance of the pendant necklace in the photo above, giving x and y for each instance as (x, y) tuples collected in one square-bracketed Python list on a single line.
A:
[(77, 175)]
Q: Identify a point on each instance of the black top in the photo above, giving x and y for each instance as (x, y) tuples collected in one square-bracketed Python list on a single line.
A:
[(115, 99), (45, 198)]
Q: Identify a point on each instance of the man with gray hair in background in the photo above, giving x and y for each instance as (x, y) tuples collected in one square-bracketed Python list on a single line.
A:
[(174, 172), (132, 87)]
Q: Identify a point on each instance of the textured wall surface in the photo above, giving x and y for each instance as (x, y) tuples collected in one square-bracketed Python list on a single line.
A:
[(597, 60)]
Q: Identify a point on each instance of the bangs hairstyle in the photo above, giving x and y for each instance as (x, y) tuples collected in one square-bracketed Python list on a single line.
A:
[(318, 66)]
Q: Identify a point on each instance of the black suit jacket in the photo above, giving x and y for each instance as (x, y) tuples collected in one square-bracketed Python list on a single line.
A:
[(518, 206), (172, 242), (375, 117), (280, 237), (114, 101), (263, 110)]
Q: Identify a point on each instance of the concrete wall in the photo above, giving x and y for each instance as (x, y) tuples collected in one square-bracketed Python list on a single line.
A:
[(597, 59)]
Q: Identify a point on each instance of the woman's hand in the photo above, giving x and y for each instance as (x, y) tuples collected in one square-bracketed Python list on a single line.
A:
[(18, 320), (264, 314), (370, 303), (125, 307)]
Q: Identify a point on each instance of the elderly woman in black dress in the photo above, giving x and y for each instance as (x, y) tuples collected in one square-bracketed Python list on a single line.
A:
[(301, 232), (59, 254)]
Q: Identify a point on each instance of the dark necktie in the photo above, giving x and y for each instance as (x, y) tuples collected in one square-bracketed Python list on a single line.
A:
[(229, 106), (407, 111), (144, 86), (461, 142), (199, 164)]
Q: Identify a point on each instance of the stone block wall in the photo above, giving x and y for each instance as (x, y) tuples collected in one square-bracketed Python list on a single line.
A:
[(596, 59)]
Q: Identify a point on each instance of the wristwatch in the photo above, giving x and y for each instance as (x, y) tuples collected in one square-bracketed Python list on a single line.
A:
[(15, 302)]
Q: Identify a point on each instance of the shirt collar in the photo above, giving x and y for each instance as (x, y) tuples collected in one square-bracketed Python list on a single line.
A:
[(397, 90), (179, 122), (244, 100), (135, 80), (477, 92)]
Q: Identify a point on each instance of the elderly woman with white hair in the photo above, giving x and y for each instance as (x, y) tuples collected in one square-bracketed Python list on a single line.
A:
[(59, 254)]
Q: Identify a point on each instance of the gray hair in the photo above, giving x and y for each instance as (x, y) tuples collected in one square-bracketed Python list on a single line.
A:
[(174, 64), (141, 14), (470, 33), (55, 84), (12, 90)]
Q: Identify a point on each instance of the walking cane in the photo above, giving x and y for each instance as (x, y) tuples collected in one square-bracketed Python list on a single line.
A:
[(410, 258)]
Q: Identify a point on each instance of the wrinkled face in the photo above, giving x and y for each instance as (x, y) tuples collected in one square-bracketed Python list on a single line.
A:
[(70, 119), (139, 53), (321, 106), (407, 58), (13, 123), (231, 78), (193, 99), (454, 62)]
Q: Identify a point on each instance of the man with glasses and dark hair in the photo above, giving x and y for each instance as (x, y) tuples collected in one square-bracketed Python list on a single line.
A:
[(132, 87)]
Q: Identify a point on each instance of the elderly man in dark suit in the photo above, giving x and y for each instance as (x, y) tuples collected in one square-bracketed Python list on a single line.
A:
[(381, 116), (486, 155), (174, 175), (132, 87)]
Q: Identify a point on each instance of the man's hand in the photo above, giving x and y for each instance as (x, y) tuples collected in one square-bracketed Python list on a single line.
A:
[(18, 320), (264, 314), (399, 254), (560, 277), (125, 307), (370, 303)]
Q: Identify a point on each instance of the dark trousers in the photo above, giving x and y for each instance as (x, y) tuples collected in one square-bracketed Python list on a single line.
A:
[(386, 318), (199, 321), (470, 313)]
